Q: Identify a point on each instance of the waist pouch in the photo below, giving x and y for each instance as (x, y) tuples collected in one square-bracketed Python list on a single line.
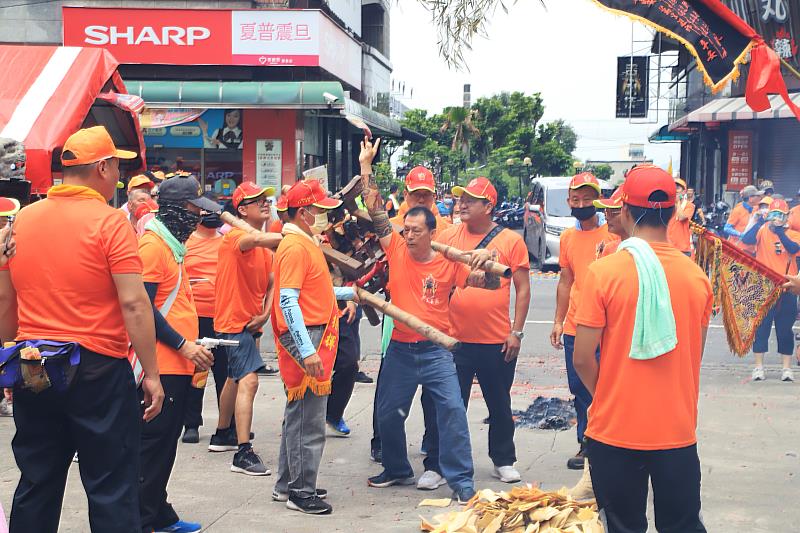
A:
[(60, 361)]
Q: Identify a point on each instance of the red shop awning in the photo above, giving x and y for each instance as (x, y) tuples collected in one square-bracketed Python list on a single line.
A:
[(49, 92)]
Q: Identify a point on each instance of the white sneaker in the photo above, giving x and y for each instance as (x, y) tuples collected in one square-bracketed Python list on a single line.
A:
[(6, 409), (787, 375), (506, 474), (758, 374), (430, 480)]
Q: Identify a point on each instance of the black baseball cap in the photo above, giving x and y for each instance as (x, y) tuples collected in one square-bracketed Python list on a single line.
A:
[(180, 189)]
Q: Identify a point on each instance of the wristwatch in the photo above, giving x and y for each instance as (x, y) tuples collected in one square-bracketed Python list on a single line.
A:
[(518, 334)]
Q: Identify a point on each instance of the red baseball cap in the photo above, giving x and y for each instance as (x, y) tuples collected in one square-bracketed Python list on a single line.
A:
[(779, 205), (584, 179), (480, 188), (420, 178), (8, 206), (310, 192), (249, 190), (282, 204), (644, 180), (614, 202)]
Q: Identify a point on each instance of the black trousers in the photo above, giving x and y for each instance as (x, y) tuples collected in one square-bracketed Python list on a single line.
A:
[(495, 377), (620, 478), (97, 417), (159, 446), (194, 402), (345, 368)]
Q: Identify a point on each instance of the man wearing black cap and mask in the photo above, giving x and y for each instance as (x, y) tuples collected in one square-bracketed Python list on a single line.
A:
[(162, 249), (202, 250)]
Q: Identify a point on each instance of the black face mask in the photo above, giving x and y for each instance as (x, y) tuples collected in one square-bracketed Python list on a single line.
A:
[(584, 213), (179, 221), (211, 221)]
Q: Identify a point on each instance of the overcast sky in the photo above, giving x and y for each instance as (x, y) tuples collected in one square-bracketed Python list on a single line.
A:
[(567, 52)]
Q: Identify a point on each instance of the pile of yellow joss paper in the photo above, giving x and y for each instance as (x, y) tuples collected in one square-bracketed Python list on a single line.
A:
[(520, 510)]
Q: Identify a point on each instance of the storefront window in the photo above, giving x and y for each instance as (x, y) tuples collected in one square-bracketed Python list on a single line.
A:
[(172, 159), (222, 171)]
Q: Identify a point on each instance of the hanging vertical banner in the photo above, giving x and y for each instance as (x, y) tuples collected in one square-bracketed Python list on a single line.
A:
[(632, 88), (269, 160), (740, 159), (706, 32)]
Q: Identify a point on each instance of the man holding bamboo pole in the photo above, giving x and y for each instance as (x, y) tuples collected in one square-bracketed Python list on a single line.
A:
[(490, 344), (421, 281)]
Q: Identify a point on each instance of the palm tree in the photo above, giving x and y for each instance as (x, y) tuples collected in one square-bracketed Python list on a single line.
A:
[(459, 119)]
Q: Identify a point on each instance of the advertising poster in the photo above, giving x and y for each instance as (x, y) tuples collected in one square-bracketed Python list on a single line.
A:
[(268, 163), (740, 159), (215, 128), (632, 89)]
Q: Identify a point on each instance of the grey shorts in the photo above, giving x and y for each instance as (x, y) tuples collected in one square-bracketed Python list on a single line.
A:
[(243, 359)]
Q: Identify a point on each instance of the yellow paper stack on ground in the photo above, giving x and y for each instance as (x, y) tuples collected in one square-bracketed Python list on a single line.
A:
[(520, 510)]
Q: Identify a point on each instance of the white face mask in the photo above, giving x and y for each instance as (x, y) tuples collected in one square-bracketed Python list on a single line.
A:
[(320, 223)]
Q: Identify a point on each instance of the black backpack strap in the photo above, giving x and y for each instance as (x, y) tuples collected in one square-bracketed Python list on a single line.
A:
[(490, 237)]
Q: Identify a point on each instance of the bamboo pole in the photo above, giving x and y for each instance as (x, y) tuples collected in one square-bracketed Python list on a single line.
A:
[(387, 308), (454, 254)]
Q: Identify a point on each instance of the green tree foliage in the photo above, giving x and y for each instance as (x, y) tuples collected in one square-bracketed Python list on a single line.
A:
[(462, 144), (602, 171)]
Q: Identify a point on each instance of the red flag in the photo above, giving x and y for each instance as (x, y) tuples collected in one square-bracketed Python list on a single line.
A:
[(765, 78)]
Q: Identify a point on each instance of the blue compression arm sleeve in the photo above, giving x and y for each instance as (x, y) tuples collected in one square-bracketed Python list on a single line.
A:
[(345, 293), (791, 246), (730, 230), (293, 315), (749, 237), (164, 332)]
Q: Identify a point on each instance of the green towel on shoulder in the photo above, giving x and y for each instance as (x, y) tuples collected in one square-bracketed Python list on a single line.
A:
[(388, 328), (654, 331)]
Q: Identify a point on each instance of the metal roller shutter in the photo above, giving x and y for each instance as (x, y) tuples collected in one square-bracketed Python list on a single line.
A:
[(782, 156)]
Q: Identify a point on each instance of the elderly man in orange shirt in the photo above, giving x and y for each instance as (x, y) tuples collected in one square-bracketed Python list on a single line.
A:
[(678, 231), (740, 216)]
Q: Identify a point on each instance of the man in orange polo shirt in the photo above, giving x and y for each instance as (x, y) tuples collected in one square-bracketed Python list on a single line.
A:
[(580, 246), (305, 321), (490, 341), (740, 216), (77, 277), (163, 249), (645, 386), (420, 192), (243, 294), (202, 252), (777, 247), (678, 232), (421, 282)]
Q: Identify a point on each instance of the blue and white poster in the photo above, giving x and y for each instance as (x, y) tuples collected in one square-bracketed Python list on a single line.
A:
[(219, 129)]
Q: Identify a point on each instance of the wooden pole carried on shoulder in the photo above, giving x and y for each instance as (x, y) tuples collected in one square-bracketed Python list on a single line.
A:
[(389, 309), (454, 254)]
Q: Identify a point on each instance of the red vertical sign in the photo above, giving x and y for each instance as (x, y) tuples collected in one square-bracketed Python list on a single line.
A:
[(740, 159)]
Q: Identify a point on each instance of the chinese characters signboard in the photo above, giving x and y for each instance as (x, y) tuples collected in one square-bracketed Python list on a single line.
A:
[(716, 44), (268, 163), (740, 159), (285, 37), (778, 21), (632, 88)]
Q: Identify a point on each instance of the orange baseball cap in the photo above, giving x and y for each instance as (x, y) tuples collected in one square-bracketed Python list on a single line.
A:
[(584, 179), (614, 202), (282, 205), (310, 192), (139, 180), (480, 188), (249, 190), (8, 206), (91, 145), (644, 180), (420, 178), (780, 206), (682, 183)]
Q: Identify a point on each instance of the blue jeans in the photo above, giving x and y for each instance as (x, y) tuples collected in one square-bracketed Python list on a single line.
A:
[(583, 399), (783, 315), (405, 367)]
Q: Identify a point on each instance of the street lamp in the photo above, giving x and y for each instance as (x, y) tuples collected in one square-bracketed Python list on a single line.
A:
[(578, 166), (528, 163)]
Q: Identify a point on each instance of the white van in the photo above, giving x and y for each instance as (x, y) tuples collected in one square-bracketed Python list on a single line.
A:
[(548, 215)]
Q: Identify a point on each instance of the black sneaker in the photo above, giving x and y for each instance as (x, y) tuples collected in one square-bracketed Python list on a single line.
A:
[(363, 378), (267, 371), (464, 495), (312, 505), (248, 462), (284, 496), (190, 436), (576, 463), (383, 480), (223, 441), (376, 456)]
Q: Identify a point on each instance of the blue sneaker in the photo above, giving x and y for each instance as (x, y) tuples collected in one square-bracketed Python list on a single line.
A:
[(339, 427), (181, 527)]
